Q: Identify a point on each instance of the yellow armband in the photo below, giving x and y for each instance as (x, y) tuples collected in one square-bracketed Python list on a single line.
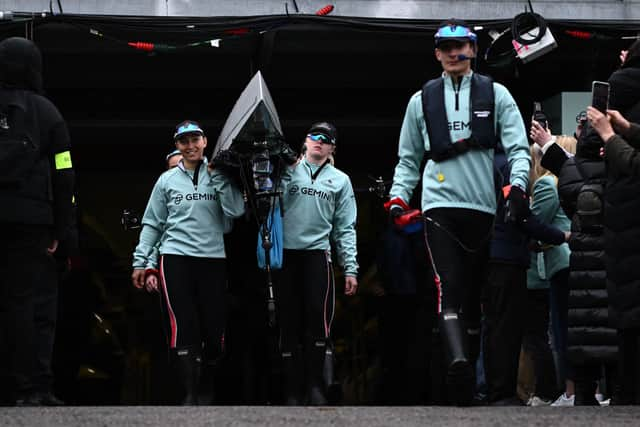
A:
[(63, 160)]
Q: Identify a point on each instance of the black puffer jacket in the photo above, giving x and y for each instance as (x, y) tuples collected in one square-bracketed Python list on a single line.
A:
[(622, 221), (591, 339)]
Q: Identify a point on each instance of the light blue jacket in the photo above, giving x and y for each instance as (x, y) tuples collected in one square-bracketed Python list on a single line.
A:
[(154, 259), (320, 209), (188, 218), (546, 206), (535, 273), (464, 181)]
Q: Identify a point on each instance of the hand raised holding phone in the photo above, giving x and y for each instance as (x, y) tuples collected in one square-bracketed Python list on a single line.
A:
[(539, 115), (539, 134), (600, 122), (605, 124)]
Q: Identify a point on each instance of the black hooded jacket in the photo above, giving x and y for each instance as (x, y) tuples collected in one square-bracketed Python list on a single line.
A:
[(622, 221), (45, 197), (591, 339)]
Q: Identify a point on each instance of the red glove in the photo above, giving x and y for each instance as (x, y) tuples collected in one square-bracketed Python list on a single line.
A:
[(408, 217), (396, 201)]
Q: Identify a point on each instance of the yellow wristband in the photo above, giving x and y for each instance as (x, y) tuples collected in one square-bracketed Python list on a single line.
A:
[(63, 160)]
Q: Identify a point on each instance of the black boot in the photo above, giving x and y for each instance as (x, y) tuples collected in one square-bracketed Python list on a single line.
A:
[(292, 376), (44, 398), (316, 387), (473, 346), (460, 378), (333, 387), (207, 386), (187, 364)]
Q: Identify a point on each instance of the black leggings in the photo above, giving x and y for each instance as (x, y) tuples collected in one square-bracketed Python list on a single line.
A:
[(194, 295), (536, 342), (458, 241), (505, 301), (305, 297), (27, 314)]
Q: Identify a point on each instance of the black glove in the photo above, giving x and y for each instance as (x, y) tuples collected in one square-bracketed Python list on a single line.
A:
[(228, 164), (394, 213), (288, 155), (225, 158), (517, 206)]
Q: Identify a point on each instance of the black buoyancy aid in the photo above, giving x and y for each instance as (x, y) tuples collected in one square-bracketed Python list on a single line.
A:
[(483, 134)]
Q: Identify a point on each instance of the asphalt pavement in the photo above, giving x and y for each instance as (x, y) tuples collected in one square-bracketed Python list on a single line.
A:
[(365, 416)]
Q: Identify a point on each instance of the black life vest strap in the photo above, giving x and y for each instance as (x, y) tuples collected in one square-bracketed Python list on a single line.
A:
[(483, 135)]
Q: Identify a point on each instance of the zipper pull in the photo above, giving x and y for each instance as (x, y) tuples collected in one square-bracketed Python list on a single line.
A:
[(456, 90)]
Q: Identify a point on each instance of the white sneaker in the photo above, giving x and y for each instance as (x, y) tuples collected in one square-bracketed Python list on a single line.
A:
[(601, 400), (563, 400), (538, 401)]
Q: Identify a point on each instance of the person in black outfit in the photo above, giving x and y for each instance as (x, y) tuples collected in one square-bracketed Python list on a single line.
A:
[(406, 320), (591, 341), (36, 190), (505, 295), (622, 238)]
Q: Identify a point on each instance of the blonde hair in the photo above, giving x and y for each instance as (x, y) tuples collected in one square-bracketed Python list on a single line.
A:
[(536, 170), (568, 143)]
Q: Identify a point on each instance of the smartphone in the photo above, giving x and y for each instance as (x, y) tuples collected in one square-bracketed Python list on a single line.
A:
[(537, 107), (539, 116), (600, 96)]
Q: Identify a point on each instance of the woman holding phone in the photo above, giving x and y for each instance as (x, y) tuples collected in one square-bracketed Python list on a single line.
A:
[(622, 230)]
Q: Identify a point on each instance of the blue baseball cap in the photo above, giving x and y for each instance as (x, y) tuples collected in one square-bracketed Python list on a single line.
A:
[(188, 126), (455, 30)]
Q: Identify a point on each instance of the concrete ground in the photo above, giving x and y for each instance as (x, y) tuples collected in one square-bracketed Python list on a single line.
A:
[(336, 416)]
